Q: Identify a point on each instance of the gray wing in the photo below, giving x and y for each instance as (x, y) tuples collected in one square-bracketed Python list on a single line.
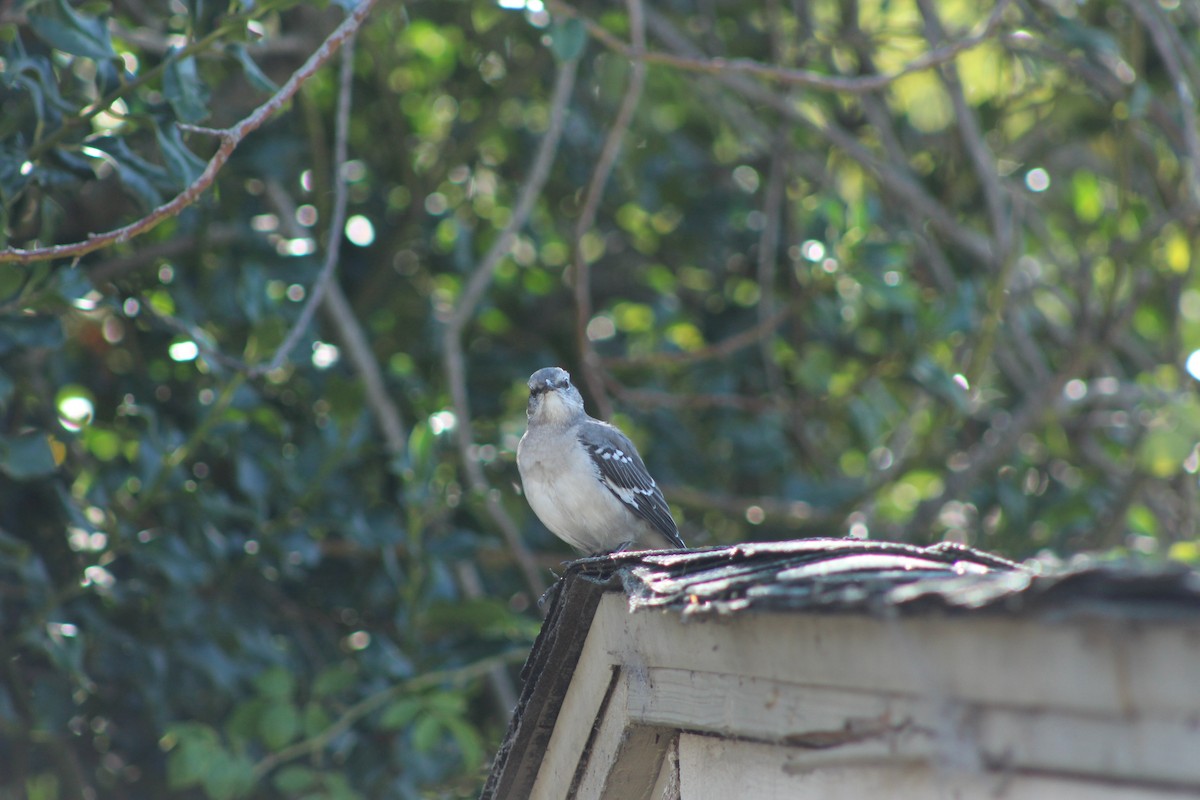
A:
[(623, 473)]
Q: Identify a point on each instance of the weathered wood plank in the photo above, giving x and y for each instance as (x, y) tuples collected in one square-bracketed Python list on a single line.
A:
[(579, 711), (715, 768), (1090, 697), (833, 726), (1099, 666)]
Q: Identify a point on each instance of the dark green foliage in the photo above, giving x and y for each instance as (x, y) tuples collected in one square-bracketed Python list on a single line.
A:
[(957, 306)]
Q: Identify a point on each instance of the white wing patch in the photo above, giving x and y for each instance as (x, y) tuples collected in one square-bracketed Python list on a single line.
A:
[(624, 475), (620, 474)]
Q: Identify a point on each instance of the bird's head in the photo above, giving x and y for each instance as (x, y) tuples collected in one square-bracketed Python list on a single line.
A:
[(552, 396)]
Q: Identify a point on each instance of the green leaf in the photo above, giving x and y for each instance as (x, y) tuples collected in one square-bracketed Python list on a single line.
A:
[(251, 478), (144, 181), (1188, 552), (183, 165), (315, 719), (399, 714), (42, 787), (196, 748), (27, 456), (568, 37), (35, 77), (231, 776), (1162, 452), (469, 742), (447, 703), (1171, 437), (1087, 196), (7, 387), (257, 78), (184, 90), (294, 779), (426, 732), (65, 30), (73, 284), (276, 683), (25, 332), (335, 679), (242, 724), (279, 724)]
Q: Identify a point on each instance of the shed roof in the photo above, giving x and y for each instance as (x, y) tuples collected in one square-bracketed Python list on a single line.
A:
[(813, 575)]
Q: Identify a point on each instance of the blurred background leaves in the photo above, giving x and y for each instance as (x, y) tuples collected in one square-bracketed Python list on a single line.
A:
[(956, 302)]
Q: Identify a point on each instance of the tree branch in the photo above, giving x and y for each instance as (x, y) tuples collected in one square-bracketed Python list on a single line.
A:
[(229, 138), (337, 220), (375, 702), (792, 77), (592, 370), (453, 357)]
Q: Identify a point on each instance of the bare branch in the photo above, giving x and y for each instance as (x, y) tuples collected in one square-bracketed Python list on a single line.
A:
[(196, 335), (230, 138), (587, 216), (648, 398), (792, 77), (358, 351), (337, 221), (972, 136), (1179, 66), (989, 451), (453, 357), (721, 349), (793, 513), (1002, 258), (314, 744), (110, 269), (898, 182), (768, 248)]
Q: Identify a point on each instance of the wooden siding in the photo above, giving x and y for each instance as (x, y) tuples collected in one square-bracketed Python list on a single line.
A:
[(966, 705)]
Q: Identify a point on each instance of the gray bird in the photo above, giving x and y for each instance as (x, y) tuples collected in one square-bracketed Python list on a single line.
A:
[(584, 478)]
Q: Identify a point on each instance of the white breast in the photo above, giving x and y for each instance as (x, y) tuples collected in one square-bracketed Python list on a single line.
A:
[(563, 488)]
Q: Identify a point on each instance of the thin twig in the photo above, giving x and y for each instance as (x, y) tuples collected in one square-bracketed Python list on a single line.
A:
[(453, 357), (719, 350), (229, 139), (1002, 258), (990, 451), (375, 702), (177, 456), (972, 135), (592, 371), (358, 350), (776, 511), (793, 77), (648, 398), (113, 268), (504, 692), (196, 335), (892, 178), (768, 248), (1173, 53), (337, 221)]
